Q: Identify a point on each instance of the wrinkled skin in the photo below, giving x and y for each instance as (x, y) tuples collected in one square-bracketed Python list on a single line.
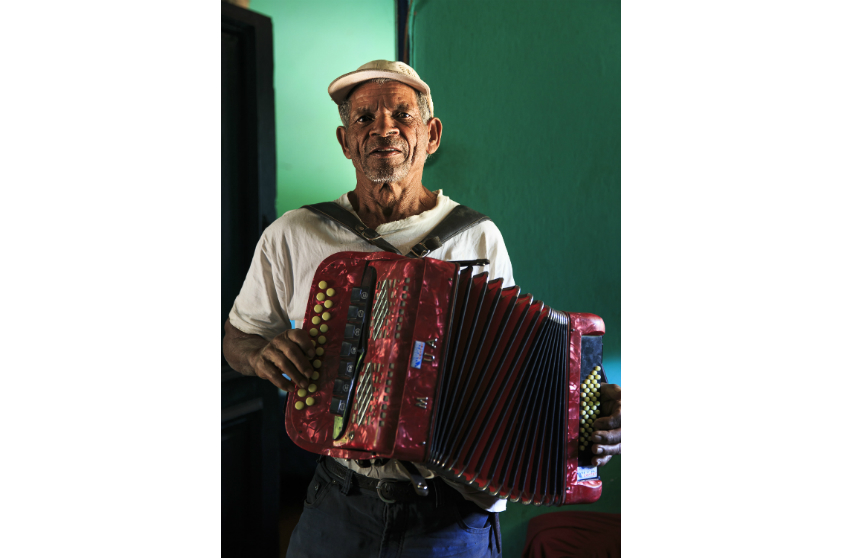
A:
[(388, 142), (288, 353), (607, 428)]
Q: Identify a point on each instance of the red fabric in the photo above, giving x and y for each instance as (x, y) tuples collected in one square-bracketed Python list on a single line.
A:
[(573, 534)]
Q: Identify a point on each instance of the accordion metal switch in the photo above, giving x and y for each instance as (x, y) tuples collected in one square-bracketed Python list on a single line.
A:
[(422, 361)]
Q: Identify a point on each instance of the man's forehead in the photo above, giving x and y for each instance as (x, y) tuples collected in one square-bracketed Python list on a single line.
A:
[(393, 94)]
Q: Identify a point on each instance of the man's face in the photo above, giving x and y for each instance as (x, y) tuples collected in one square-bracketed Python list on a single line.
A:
[(386, 138)]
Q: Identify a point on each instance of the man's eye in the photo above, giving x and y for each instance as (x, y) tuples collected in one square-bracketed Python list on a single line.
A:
[(364, 118), (404, 115)]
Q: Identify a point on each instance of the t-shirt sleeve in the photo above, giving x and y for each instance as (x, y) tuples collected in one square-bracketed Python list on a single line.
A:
[(258, 309), (490, 243)]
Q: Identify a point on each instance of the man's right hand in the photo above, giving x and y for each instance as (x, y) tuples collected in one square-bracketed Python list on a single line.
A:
[(288, 353)]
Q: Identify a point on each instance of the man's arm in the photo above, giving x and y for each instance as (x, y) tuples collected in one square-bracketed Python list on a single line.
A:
[(606, 436), (287, 353)]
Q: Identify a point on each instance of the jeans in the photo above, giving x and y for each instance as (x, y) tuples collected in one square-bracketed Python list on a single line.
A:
[(360, 524)]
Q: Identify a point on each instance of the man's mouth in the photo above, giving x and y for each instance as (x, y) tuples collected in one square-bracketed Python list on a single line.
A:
[(385, 152)]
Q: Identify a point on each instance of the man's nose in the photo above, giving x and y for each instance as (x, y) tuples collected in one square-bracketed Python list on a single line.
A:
[(384, 126)]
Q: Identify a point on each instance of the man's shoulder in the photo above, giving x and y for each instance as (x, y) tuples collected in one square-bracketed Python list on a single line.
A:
[(486, 230), (293, 221)]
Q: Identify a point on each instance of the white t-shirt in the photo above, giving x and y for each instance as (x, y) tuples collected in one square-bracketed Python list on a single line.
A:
[(276, 288)]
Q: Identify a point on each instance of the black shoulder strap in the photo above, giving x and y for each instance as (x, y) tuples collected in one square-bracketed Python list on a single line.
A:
[(339, 214), (460, 219)]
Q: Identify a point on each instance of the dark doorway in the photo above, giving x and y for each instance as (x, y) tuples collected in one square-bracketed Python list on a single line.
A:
[(251, 408)]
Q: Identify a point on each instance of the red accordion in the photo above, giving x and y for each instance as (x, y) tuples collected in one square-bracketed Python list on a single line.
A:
[(421, 361)]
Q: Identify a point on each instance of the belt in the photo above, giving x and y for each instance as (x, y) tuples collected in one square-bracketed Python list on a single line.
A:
[(389, 490), (395, 490)]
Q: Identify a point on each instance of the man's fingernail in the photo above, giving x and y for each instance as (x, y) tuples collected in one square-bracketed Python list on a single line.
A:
[(597, 438), (598, 451)]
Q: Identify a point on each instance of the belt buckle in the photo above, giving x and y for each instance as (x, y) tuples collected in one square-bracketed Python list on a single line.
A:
[(380, 484)]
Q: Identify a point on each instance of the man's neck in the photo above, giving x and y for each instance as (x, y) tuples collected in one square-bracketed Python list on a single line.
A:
[(377, 204)]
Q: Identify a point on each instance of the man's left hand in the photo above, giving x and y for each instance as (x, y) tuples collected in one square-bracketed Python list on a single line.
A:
[(606, 435)]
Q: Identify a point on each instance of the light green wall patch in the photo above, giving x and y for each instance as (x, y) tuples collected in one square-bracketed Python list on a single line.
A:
[(316, 42)]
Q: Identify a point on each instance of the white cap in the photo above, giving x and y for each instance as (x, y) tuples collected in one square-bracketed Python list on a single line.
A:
[(342, 86)]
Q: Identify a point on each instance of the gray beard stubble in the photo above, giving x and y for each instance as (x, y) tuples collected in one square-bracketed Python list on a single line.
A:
[(388, 173)]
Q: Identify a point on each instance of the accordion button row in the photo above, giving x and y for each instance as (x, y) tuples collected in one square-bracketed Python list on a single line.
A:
[(350, 348), (305, 399)]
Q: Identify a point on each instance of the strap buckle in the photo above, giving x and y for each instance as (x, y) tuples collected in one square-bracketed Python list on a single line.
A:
[(368, 234), (421, 250)]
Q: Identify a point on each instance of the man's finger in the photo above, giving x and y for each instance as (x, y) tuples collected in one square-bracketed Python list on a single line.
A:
[(606, 436), (295, 345), (302, 339), (297, 358), (611, 422), (268, 371), (600, 461), (601, 450), (284, 384), (609, 392), (280, 361)]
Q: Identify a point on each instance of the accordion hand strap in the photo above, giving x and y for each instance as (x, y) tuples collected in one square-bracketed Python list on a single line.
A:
[(460, 219)]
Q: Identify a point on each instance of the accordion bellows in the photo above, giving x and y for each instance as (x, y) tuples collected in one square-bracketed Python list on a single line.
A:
[(419, 360)]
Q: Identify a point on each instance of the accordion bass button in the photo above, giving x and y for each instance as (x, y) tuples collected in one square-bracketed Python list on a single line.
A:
[(340, 387), (351, 330), (346, 368), (322, 284)]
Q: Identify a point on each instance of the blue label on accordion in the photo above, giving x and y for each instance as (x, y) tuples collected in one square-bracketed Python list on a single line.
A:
[(417, 354), (586, 473)]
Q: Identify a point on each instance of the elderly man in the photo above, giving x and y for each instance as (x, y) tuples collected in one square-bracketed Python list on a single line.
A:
[(388, 131)]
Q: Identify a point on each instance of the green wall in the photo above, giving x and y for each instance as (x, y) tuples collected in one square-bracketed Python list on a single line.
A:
[(316, 41), (529, 96)]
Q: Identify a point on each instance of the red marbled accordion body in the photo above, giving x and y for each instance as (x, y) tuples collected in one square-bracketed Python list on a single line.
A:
[(496, 407)]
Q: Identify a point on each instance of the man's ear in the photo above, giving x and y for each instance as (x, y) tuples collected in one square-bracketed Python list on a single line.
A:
[(340, 137), (434, 129)]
